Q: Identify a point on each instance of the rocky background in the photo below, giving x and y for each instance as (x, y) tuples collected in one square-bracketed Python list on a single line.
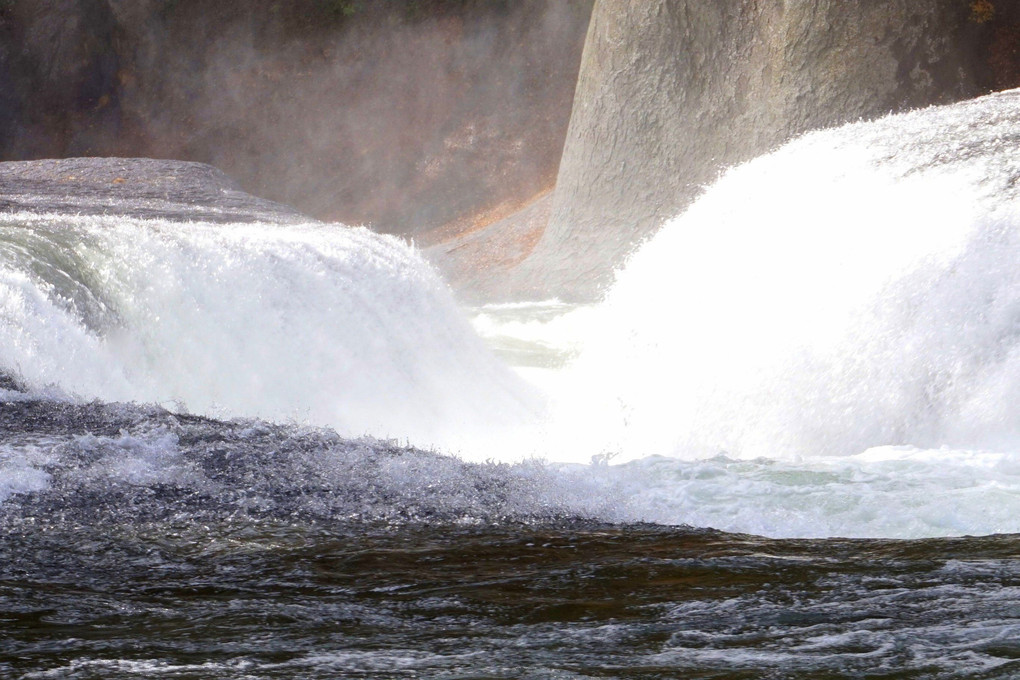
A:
[(418, 117), (445, 121), (672, 92)]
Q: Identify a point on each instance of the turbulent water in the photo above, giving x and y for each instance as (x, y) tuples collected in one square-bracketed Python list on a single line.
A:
[(294, 322), (826, 343), (265, 450)]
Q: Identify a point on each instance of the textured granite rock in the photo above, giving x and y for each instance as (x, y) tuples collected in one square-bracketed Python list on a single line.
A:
[(671, 92)]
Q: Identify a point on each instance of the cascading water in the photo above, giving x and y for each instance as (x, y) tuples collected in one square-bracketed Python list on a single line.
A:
[(856, 288), (311, 323), (825, 344), (829, 328)]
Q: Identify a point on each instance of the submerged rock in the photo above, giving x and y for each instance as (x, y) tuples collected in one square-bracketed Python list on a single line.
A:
[(135, 187)]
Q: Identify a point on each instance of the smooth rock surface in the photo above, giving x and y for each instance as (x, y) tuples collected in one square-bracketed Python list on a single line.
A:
[(133, 187), (481, 265), (672, 92)]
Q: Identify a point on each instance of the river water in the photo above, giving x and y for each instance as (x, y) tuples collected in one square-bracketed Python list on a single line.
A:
[(784, 445), (162, 545)]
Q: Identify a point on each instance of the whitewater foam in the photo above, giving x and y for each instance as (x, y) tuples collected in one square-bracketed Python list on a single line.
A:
[(313, 323), (826, 343), (856, 288)]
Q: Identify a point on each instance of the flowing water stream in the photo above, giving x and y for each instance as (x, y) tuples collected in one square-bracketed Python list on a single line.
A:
[(784, 445)]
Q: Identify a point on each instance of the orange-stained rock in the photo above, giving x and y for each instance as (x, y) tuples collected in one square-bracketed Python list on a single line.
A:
[(481, 264)]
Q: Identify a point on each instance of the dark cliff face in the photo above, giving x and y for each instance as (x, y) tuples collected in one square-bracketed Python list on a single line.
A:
[(671, 92), (420, 117), (58, 71)]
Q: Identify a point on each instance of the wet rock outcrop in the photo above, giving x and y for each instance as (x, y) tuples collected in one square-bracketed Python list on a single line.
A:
[(133, 187), (671, 92)]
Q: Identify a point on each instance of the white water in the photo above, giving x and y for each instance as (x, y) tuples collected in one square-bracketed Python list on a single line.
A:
[(311, 323), (824, 344), (839, 294)]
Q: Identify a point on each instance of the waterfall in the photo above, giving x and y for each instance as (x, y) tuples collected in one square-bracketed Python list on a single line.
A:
[(309, 323)]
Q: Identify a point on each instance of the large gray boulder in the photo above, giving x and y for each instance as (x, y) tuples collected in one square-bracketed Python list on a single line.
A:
[(671, 92)]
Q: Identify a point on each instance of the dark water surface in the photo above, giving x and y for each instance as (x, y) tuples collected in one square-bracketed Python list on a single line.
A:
[(277, 600), (235, 554)]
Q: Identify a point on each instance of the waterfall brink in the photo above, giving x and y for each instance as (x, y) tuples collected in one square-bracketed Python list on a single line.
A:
[(310, 322)]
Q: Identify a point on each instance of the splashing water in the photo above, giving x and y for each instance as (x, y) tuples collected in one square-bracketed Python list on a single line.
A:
[(850, 290), (315, 323), (825, 343), (829, 331)]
